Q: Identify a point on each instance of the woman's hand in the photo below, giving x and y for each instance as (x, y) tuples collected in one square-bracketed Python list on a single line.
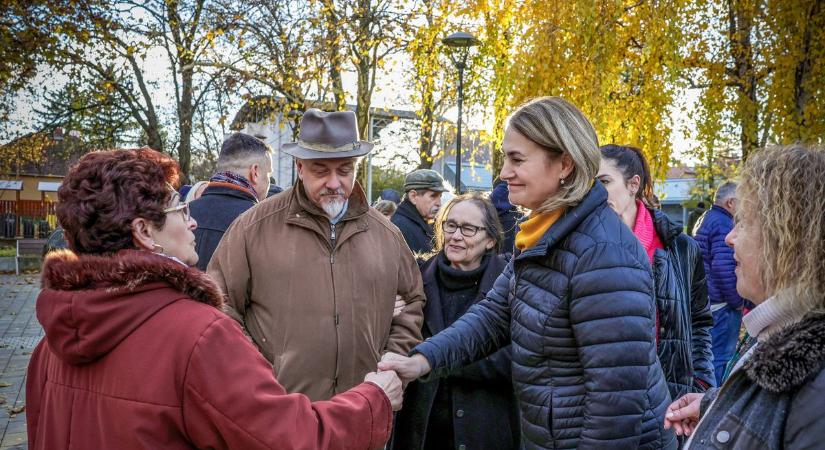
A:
[(391, 385), (399, 306), (683, 414), (408, 368)]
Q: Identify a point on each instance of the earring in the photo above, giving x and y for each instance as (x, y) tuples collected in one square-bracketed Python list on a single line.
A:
[(157, 248), (561, 181)]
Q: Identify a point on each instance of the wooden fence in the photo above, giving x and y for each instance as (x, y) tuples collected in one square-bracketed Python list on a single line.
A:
[(26, 218)]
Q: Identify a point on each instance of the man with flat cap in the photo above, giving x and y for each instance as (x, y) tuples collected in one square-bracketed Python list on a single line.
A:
[(312, 273), (422, 199)]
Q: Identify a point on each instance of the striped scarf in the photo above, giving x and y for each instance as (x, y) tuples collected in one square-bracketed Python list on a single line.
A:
[(236, 180)]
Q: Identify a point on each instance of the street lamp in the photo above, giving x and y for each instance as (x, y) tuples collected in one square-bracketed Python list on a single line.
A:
[(460, 43)]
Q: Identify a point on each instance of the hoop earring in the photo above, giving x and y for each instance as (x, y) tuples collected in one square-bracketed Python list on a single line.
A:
[(157, 248)]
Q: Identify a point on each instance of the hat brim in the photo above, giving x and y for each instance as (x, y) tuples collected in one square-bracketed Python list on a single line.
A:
[(295, 149)]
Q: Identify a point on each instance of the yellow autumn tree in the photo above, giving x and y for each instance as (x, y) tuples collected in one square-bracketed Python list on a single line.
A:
[(616, 60), (760, 69)]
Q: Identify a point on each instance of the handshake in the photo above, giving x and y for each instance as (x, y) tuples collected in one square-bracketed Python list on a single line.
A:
[(393, 369)]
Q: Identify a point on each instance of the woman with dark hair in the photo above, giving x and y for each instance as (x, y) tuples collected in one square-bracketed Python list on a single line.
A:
[(575, 302), (474, 407), (683, 312), (773, 396), (139, 355)]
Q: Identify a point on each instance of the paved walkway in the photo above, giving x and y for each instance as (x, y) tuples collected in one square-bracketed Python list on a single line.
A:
[(19, 334)]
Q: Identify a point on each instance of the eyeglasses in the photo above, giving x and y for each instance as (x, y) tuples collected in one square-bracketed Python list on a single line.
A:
[(183, 207), (449, 227)]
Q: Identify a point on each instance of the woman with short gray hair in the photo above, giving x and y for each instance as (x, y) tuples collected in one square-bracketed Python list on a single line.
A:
[(575, 302)]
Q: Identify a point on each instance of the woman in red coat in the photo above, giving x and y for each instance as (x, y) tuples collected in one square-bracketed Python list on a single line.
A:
[(139, 355)]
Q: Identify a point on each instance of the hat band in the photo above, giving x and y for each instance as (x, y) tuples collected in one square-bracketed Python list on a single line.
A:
[(328, 148)]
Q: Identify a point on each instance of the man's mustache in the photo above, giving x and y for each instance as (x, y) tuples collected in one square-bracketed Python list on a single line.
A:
[(338, 191)]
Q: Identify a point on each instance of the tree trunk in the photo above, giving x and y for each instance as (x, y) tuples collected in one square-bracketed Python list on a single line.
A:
[(336, 60), (186, 112), (362, 109), (802, 75), (425, 148), (747, 109)]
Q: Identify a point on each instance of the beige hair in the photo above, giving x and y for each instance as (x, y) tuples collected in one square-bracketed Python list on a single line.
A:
[(386, 207), (783, 189), (559, 127)]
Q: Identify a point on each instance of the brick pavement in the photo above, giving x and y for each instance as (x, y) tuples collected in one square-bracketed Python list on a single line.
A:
[(19, 334)]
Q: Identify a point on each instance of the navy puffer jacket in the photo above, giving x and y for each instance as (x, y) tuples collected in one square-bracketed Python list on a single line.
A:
[(578, 310), (685, 319), (711, 231)]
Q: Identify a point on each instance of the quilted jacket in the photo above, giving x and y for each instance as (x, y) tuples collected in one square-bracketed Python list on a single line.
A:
[(578, 310), (684, 312), (718, 257)]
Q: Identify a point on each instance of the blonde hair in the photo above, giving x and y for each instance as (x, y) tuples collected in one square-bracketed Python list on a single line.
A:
[(559, 127), (783, 188)]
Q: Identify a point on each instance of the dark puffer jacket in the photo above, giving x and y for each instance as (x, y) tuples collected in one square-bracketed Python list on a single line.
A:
[(578, 310), (685, 319), (775, 400), (718, 256)]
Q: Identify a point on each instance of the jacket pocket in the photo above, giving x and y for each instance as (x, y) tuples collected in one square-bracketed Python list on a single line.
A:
[(550, 421), (732, 433), (255, 332)]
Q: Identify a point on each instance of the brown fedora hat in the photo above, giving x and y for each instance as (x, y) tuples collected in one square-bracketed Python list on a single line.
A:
[(327, 135)]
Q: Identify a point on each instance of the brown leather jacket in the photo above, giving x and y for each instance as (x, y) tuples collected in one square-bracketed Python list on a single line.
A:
[(318, 308)]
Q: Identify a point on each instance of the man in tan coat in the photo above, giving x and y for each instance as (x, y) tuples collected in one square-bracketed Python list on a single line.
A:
[(313, 273)]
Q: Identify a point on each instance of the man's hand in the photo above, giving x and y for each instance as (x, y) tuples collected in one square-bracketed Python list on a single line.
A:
[(389, 382), (399, 306), (683, 414), (408, 368)]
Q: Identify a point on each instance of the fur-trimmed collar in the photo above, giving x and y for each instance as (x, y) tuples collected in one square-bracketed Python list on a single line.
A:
[(66, 271), (791, 357)]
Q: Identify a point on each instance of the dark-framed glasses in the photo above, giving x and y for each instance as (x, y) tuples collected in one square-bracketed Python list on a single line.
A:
[(183, 208), (467, 230)]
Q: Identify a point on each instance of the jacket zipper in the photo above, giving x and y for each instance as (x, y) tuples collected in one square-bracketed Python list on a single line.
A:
[(334, 306)]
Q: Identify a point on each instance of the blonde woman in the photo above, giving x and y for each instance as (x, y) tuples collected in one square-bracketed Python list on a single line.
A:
[(774, 394), (575, 302)]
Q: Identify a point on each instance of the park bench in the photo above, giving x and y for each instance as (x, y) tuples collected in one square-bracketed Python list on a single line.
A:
[(28, 248)]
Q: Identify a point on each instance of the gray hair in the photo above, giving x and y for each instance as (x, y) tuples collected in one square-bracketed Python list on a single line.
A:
[(725, 191), (559, 127)]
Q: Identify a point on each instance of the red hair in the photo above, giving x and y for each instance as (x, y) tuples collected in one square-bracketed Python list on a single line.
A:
[(106, 190)]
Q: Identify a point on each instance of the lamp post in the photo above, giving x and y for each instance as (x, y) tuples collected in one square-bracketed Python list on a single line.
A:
[(460, 43)]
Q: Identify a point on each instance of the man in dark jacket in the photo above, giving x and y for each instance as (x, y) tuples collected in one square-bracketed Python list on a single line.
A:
[(242, 180), (508, 215), (726, 304), (422, 199)]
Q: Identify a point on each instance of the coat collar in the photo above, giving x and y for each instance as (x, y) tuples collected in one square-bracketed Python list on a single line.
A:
[(356, 208), (303, 213), (64, 270), (667, 230), (408, 210), (433, 319), (227, 189), (596, 198), (791, 357)]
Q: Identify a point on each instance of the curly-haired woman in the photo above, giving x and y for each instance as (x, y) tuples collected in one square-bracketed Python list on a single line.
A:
[(139, 355), (774, 394)]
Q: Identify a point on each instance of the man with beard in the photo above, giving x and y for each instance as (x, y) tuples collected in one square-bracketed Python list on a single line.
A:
[(422, 199), (312, 274)]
